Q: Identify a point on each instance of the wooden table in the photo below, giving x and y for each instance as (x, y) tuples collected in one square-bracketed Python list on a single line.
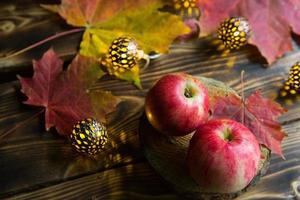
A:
[(35, 164)]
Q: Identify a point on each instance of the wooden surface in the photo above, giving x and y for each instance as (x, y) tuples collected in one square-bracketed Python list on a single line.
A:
[(35, 164)]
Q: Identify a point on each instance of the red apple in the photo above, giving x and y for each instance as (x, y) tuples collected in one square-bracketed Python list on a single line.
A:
[(223, 156), (177, 104)]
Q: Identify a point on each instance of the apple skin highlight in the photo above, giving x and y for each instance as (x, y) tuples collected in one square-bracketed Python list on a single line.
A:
[(223, 156), (177, 104)]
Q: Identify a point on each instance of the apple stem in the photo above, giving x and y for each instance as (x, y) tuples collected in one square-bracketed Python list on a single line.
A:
[(188, 92), (52, 37), (243, 95), (227, 135)]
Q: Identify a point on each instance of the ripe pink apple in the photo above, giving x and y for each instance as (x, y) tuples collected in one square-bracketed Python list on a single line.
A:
[(177, 104), (223, 156)]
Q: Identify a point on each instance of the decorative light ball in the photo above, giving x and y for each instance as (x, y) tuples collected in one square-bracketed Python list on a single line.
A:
[(234, 32), (186, 8), (288, 89), (123, 54), (294, 76), (89, 136)]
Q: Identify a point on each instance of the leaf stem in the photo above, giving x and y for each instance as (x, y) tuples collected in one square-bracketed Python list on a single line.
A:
[(52, 37), (21, 124), (243, 96)]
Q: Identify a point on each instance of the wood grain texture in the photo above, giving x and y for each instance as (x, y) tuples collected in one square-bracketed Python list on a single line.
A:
[(35, 164), (31, 158), (119, 184), (23, 23)]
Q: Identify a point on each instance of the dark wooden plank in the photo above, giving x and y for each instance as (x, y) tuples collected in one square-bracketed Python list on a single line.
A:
[(138, 181), (33, 160), (129, 182), (40, 168), (23, 23), (31, 157), (202, 58)]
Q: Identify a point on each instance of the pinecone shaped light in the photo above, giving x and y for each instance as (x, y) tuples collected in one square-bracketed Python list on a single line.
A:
[(291, 87), (89, 136), (186, 8), (294, 75), (234, 32), (123, 54)]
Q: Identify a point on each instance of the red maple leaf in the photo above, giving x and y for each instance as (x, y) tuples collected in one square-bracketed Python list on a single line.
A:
[(271, 21), (257, 113), (64, 93)]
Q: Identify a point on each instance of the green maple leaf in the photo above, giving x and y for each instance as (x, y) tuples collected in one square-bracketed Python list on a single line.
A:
[(106, 20)]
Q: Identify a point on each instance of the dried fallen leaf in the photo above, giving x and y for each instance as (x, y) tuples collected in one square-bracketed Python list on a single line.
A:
[(257, 113), (64, 94), (150, 29), (270, 20), (106, 20), (91, 13)]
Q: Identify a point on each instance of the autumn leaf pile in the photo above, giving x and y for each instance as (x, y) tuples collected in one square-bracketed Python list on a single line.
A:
[(66, 95), (106, 20)]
